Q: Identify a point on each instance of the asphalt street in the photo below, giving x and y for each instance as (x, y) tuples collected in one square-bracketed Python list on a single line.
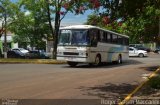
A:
[(48, 81)]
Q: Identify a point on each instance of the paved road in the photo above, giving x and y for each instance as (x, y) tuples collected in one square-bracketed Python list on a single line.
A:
[(46, 81)]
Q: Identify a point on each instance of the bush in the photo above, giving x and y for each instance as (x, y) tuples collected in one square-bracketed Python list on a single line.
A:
[(155, 82)]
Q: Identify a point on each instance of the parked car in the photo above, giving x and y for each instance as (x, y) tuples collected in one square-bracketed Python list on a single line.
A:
[(135, 52), (21, 50), (37, 54), (157, 50), (15, 54)]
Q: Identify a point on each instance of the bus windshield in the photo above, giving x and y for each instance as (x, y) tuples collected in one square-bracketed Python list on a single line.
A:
[(73, 37)]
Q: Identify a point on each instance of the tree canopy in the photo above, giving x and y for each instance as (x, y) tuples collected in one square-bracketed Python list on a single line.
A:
[(32, 20), (139, 18)]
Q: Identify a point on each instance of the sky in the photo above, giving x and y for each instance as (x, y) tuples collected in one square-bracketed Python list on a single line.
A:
[(72, 19)]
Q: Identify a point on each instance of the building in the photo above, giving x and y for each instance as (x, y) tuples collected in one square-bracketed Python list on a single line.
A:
[(10, 43)]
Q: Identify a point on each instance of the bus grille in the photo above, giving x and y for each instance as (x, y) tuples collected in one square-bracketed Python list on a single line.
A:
[(70, 53)]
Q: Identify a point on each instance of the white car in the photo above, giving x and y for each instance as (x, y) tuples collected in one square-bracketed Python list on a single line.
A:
[(135, 52), (21, 50)]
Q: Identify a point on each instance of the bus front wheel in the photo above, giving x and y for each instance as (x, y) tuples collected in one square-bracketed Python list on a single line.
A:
[(97, 60), (72, 64)]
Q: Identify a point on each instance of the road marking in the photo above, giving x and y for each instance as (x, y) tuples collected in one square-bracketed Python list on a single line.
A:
[(137, 88)]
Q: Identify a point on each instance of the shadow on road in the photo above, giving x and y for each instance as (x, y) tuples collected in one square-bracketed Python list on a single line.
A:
[(107, 65), (109, 90), (150, 68)]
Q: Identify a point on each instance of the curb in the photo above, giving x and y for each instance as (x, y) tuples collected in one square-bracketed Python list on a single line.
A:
[(129, 96)]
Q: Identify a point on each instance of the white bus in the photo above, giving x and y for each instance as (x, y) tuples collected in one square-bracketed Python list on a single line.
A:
[(91, 44)]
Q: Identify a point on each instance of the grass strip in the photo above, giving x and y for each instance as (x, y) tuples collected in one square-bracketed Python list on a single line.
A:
[(34, 61)]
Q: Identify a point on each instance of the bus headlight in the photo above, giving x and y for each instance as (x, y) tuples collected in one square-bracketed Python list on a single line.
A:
[(60, 53)]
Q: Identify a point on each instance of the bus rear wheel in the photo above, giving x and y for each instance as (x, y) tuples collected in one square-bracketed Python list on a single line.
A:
[(72, 64), (119, 59)]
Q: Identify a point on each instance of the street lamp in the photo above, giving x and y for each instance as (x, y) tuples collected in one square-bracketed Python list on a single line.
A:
[(5, 33)]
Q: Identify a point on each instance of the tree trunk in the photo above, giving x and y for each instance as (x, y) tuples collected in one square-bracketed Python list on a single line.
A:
[(50, 24), (56, 27), (49, 18)]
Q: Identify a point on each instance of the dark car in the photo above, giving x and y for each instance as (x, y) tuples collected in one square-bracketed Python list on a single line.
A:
[(36, 54), (15, 54), (157, 50), (144, 48)]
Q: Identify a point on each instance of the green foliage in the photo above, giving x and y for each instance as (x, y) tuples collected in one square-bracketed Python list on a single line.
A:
[(28, 18), (137, 18), (29, 22), (134, 29), (3, 12), (144, 28), (93, 19), (155, 82)]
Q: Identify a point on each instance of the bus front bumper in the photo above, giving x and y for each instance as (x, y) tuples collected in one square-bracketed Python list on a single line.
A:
[(73, 59)]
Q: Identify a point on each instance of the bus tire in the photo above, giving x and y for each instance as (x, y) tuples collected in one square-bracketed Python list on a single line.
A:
[(119, 61), (97, 60), (72, 64)]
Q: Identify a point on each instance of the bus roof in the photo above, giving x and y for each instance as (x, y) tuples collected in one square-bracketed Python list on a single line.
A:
[(78, 27), (90, 27)]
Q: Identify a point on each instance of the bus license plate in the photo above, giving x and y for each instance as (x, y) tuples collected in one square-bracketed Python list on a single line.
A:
[(69, 58)]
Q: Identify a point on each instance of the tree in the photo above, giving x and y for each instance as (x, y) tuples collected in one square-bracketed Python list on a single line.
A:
[(60, 8), (139, 18), (144, 25), (4, 7), (29, 22), (93, 19), (2, 28)]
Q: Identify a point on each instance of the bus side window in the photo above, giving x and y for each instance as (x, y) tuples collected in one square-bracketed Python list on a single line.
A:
[(104, 36), (98, 35), (120, 40), (114, 38), (109, 38), (126, 41), (93, 36), (101, 36)]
